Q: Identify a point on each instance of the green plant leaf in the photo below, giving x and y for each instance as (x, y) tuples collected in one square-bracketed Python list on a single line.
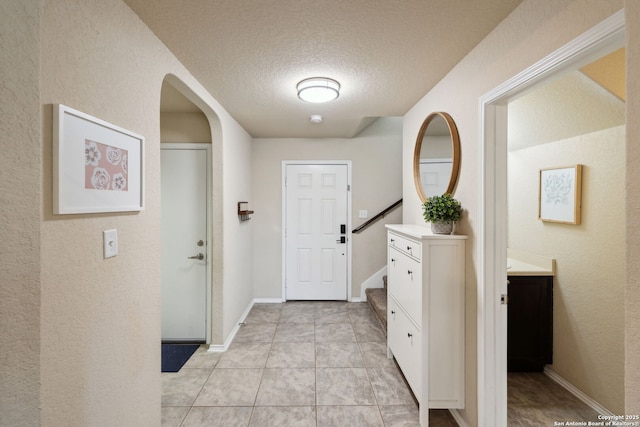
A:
[(442, 209)]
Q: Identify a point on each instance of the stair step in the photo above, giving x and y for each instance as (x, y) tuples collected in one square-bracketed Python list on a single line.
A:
[(377, 299)]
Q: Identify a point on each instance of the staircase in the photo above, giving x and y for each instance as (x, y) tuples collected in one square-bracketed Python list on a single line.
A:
[(377, 300)]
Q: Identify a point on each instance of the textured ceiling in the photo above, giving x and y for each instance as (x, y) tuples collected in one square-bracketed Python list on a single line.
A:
[(387, 54)]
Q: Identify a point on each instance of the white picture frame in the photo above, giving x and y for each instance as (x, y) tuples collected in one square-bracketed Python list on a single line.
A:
[(560, 194), (97, 166)]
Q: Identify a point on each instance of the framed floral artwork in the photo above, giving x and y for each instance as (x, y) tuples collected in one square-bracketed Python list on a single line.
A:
[(97, 166), (560, 194)]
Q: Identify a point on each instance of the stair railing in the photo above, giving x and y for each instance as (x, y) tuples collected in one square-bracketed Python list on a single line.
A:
[(377, 217)]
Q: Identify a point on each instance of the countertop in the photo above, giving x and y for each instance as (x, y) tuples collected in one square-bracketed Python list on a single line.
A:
[(521, 263), (421, 231)]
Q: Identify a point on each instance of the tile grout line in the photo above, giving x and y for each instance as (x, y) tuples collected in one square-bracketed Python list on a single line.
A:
[(350, 317)]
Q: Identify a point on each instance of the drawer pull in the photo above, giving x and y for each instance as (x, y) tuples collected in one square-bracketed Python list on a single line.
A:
[(393, 312), (410, 273), (409, 335), (409, 248)]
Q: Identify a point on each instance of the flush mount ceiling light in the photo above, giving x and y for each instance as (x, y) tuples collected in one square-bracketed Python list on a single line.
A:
[(318, 89)]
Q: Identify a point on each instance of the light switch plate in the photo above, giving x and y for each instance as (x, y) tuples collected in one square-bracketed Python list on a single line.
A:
[(363, 214), (110, 242)]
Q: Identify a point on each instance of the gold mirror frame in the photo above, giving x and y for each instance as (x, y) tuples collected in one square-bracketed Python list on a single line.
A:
[(455, 148)]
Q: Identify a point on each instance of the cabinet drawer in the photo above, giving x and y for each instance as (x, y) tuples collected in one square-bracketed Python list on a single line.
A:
[(407, 246), (405, 342), (405, 283)]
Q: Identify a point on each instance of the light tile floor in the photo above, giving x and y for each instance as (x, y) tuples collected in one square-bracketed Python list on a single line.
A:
[(296, 364)]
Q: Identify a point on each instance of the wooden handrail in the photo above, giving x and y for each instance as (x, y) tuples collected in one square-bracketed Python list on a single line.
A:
[(377, 217)]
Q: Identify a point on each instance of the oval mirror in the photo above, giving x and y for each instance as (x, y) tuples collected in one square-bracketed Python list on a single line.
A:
[(436, 158)]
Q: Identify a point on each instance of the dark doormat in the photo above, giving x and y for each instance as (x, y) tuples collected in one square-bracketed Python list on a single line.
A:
[(174, 356)]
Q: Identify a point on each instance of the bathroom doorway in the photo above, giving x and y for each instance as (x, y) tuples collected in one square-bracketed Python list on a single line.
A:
[(577, 118), (604, 38)]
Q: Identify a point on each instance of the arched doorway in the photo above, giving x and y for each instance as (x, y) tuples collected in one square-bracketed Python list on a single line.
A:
[(190, 132)]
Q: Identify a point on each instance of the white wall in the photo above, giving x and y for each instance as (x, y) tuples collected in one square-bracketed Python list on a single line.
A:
[(534, 30), (376, 183), (588, 344)]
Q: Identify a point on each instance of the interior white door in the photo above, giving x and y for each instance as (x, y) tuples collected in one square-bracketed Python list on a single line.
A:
[(315, 223), (184, 242)]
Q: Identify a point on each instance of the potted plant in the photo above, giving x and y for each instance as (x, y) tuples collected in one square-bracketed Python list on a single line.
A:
[(442, 212)]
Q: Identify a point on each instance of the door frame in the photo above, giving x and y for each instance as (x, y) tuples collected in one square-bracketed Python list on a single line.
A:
[(286, 163), (209, 234), (605, 37)]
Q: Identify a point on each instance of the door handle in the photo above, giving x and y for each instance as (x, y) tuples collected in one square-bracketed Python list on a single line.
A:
[(343, 239), (200, 256)]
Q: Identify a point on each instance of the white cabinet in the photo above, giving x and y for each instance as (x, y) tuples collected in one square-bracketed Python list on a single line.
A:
[(425, 313)]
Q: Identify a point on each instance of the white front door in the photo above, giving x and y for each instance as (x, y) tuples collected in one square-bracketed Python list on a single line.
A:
[(184, 189), (315, 225)]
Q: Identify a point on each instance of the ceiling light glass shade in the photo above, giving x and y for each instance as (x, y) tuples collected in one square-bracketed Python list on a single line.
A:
[(318, 89)]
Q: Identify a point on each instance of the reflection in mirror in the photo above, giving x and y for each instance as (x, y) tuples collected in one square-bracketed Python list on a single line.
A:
[(437, 156)]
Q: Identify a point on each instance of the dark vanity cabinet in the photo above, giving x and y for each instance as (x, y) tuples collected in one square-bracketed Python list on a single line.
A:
[(530, 323)]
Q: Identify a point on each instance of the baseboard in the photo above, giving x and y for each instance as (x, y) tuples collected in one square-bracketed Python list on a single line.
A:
[(577, 393), (374, 281), (356, 300), (267, 300), (457, 416), (217, 348)]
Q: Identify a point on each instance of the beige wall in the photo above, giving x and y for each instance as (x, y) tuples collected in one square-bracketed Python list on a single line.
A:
[(238, 290), (20, 181), (184, 127), (632, 191), (100, 319), (109, 333), (588, 345), (376, 183), (567, 106), (534, 30)]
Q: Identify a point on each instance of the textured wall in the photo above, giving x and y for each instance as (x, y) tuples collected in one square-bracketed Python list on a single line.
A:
[(184, 127), (20, 127), (550, 113), (375, 156), (100, 318), (534, 30), (238, 249), (588, 347), (100, 330), (632, 189)]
